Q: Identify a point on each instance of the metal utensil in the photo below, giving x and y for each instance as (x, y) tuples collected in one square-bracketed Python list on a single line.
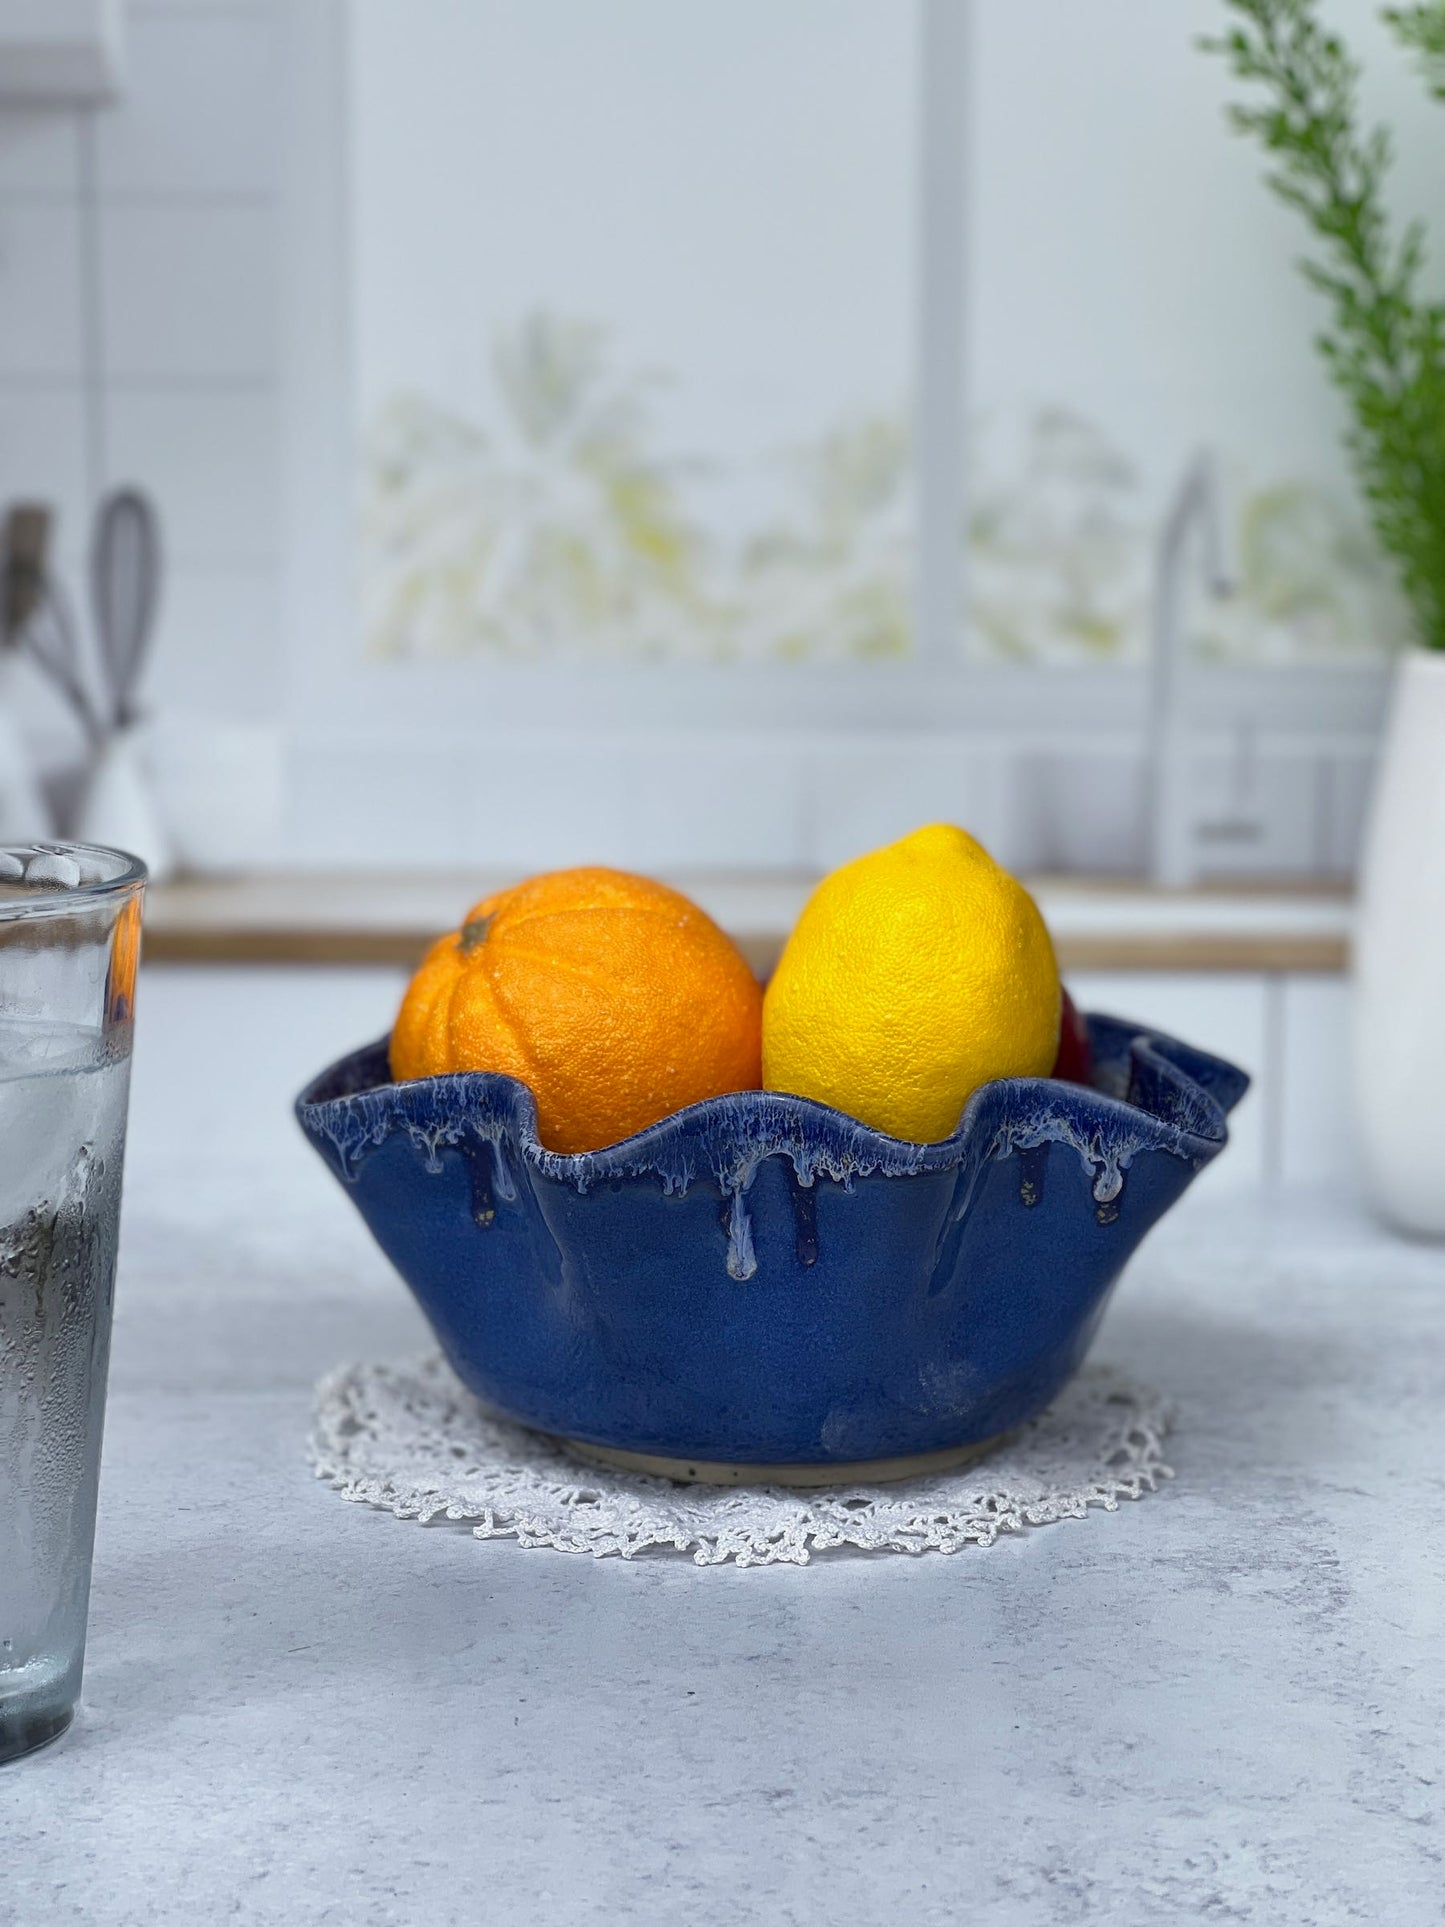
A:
[(36, 614), (24, 548), (125, 575), (33, 611), (24, 539)]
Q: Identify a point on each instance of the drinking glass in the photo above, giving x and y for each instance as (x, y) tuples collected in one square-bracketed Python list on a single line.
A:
[(70, 917)]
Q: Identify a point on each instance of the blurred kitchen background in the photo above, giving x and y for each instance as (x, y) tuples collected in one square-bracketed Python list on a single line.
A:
[(710, 439)]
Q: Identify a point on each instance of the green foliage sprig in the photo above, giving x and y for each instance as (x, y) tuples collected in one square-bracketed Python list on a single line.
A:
[(1423, 29), (1385, 341)]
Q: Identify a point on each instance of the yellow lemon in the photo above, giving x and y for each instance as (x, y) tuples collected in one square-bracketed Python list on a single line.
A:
[(915, 974)]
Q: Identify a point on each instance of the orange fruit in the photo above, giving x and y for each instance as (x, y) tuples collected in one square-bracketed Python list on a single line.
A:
[(124, 961), (614, 999)]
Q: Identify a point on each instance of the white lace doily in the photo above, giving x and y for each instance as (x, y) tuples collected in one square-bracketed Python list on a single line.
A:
[(411, 1439)]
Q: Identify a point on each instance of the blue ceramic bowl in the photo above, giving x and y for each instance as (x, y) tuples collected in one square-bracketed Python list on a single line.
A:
[(761, 1280)]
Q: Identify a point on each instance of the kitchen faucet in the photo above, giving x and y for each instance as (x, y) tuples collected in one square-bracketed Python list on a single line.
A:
[(1199, 501)]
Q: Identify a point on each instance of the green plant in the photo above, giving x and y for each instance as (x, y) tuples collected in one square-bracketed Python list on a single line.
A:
[(1385, 340), (1423, 29)]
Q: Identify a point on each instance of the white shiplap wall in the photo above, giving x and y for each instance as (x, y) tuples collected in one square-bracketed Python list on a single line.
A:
[(139, 260)]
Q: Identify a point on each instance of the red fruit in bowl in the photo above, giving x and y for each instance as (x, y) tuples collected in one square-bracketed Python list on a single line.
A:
[(1075, 1061)]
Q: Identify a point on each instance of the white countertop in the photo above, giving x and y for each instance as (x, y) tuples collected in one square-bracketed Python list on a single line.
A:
[(1222, 1703)]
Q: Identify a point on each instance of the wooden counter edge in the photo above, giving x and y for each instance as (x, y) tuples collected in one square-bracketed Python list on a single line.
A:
[(403, 949)]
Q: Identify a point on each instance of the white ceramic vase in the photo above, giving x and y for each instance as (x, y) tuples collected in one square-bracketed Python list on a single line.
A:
[(1400, 959)]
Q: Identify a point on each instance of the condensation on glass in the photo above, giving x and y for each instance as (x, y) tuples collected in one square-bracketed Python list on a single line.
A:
[(70, 919)]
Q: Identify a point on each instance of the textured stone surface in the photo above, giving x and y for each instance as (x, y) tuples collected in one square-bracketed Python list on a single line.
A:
[(1223, 1703)]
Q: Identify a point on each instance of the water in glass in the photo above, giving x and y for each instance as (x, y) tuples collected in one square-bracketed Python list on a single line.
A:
[(63, 1091)]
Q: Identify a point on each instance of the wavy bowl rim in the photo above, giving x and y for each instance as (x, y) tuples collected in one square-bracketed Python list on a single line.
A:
[(759, 1124)]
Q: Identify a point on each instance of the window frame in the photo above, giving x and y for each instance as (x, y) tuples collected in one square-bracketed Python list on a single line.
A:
[(330, 683), (1010, 709)]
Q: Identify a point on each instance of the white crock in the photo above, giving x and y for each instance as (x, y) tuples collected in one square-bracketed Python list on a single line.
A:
[(119, 808), (1400, 960)]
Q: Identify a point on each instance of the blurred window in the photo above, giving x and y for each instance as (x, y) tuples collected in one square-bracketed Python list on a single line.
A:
[(635, 297)]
